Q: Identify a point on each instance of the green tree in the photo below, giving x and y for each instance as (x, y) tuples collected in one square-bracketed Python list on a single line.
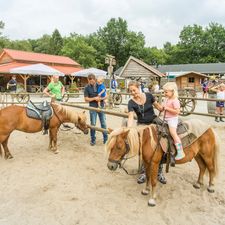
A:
[(3, 40), (41, 45), (19, 45), (2, 25), (97, 43), (77, 48), (135, 44), (191, 43), (154, 56), (56, 43), (119, 41), (214, 43)]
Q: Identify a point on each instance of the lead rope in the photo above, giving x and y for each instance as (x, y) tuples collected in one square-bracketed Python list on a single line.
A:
[(139, 160)]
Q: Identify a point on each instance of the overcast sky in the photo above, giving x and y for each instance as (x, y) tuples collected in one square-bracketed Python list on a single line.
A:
[(158, 20)]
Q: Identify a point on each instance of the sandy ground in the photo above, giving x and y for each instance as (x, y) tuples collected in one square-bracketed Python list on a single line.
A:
[(76, 187)]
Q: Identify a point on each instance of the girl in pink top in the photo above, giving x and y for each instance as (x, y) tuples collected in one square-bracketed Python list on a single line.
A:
[(172, 109)]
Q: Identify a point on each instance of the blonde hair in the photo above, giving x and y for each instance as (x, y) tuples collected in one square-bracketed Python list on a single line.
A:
[(101, 79), (134, 83), (222, 85), (171, 86)]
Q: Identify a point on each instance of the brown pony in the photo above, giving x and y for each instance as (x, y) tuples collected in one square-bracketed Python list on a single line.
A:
[(14, 118), (204, 150)]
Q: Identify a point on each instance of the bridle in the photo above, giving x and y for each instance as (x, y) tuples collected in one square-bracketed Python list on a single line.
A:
[(121, 162), (127, 147)]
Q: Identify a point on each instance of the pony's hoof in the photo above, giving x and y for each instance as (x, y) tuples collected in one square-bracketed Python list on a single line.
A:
[(145, 192), (151, 202), (8, 157), (197, 185), (56, 152), (210, 189)]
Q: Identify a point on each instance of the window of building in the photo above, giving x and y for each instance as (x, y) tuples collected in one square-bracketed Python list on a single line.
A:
[(191, 79)]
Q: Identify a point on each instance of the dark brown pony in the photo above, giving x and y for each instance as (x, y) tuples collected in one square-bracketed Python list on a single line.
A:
[(204, 150), (14, 118)]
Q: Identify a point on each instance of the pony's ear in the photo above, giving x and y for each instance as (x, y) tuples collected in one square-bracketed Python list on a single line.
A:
[(84, 112), (110, 130), (124, 134)]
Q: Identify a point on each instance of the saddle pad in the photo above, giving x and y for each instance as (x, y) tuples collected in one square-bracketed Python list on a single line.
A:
[(40, 112), (33, 114), (186, 140)]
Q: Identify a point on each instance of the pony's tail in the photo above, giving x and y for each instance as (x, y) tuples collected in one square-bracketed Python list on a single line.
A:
[(216, 152)]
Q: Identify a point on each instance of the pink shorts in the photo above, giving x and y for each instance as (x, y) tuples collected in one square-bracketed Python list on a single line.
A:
[(172, 121)]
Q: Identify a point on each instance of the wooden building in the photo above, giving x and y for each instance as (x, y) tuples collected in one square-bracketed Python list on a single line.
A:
[(10, 59), (186, 79), (137, 69), (209, 69)]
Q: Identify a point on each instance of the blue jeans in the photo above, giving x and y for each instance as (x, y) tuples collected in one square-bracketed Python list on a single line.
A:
[(93, 118)]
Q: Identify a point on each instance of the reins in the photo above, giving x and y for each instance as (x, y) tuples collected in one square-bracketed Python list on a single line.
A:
[(124, 159)]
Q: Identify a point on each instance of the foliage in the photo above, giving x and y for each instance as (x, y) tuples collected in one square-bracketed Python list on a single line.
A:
[(56, 43), (19, 45), (99, 45), (120, 42), (196, 44), (41, 45), (154, 56), (2, 25), (77, 48), (73, 88)]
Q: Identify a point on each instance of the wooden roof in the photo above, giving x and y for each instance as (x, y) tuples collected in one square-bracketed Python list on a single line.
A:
[(206, 68), (180, 74), (5, 68), (137, 68), (10, 59), (38, 57)]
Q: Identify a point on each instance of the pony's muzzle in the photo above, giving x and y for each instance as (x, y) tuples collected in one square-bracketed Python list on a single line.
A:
[(112, 165)]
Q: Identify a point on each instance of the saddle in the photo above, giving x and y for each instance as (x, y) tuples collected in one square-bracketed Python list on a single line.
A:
[(43, 112), (166, 140)]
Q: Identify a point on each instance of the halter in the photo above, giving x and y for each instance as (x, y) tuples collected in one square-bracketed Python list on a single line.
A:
[(122, 161)]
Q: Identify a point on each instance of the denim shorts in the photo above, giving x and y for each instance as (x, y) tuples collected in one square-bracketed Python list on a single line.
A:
[(219, 104)]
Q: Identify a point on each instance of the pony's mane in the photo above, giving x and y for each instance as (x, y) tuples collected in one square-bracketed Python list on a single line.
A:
[(71, 114), (134, 138)]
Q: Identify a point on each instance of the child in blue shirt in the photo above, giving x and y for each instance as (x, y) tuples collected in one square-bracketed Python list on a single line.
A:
[(101, 90)]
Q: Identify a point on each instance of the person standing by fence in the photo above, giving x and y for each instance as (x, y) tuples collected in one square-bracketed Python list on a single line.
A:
[(220, 94), (91, 96), (55, 89), (205, 88), (12, 87)]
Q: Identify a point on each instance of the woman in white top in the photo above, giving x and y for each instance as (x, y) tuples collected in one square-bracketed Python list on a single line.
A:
[(220, 94)]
